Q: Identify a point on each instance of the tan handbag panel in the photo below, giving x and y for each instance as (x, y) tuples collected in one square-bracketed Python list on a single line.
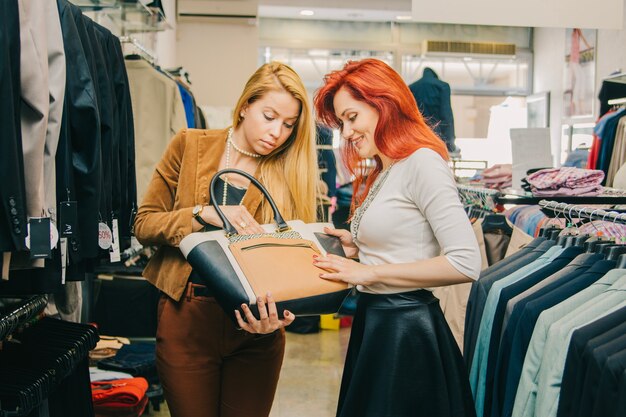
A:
[(283, 267)]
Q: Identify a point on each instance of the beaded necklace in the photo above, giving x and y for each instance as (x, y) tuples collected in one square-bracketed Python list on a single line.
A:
[(358, 213)]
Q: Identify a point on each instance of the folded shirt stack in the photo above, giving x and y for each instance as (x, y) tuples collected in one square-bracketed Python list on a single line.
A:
[(498, 176), (120, 397), (566, 181)]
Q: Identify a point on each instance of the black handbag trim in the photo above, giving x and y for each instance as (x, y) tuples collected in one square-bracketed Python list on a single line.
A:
[(209, 257)]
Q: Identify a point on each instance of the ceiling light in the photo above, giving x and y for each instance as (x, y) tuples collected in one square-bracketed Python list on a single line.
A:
[(307, 12), (404, 17)]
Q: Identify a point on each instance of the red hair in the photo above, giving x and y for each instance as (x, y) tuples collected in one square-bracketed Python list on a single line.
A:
[(401, 129)]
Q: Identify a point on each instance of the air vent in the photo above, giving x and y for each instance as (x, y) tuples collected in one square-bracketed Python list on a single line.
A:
[(482, 48), (218, 11)]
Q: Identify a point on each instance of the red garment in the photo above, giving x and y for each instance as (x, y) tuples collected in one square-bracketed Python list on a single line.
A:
[(131, 411), (118, 394), (594, 152)]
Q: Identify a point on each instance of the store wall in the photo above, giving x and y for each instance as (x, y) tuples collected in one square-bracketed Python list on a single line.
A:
[(549, 46), (166, 40), (611, 52), (220, 57)]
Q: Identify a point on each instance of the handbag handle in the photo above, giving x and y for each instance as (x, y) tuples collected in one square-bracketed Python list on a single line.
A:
[(228, 227)]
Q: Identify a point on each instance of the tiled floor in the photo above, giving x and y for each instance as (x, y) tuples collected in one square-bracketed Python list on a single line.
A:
[(310, 377)]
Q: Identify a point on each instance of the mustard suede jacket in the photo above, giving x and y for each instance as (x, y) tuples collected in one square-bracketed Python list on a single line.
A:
[(181, 181)]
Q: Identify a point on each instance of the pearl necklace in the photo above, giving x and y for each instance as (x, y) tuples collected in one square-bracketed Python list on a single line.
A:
[(229, 143), (238, 149)]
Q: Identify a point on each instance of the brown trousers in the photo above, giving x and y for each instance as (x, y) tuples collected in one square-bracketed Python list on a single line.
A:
[(207, 367)]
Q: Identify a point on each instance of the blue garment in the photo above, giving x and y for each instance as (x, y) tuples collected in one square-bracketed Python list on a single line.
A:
[(577, 158), (601, 124), (189, 106)]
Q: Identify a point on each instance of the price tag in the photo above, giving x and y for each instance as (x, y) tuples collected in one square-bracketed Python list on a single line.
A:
[(68, 218), (6, 260), (40, 239), (105, 236), (114, 252), (63, 259)]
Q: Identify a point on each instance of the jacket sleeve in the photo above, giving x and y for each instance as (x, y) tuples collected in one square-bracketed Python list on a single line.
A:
[(156, 222), (447, 117)]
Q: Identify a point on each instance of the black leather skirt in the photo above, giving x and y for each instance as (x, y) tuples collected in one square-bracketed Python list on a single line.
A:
[(403, 361)]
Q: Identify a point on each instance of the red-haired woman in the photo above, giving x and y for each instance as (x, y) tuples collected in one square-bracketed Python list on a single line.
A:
[(410, 234)]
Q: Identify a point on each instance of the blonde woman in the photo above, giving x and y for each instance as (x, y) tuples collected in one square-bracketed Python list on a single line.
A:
[(206, 365)]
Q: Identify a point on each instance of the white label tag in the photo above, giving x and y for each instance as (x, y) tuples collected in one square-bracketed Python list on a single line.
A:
[(6, 261), (63, 259), (114, 253), (54, 236), (134, 243), (105, 237)]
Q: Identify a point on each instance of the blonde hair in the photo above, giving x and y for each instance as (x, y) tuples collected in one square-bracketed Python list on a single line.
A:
[(290, 172)]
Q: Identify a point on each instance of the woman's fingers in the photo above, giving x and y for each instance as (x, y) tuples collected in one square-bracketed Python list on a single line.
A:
[(268, 317)]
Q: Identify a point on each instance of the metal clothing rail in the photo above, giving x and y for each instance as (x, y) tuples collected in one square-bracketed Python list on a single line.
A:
[(609, 196), (477, 190), (148, 55), (20, 315), (571, 210)]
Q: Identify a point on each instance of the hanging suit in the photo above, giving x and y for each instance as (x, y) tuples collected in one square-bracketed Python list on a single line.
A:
[(453, 298), (84, 120), (35, 100), (12, 193)]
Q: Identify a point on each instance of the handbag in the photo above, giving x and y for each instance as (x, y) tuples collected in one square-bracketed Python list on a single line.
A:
[(238, 268)]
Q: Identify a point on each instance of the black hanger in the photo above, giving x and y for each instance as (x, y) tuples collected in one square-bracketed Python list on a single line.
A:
[(553, 234), (580, 240), (615, 252), (600, 246), (621, 262), (496, 222)]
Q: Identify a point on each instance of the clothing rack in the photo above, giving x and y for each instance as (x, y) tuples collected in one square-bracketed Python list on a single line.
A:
[(22, 314), (478, 201), (552, 208), (146, 53), (609, 196)]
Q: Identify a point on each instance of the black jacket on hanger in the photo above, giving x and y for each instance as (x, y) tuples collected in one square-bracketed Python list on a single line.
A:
[(12, 192), (124, 163), (84, 120), (433, 99)]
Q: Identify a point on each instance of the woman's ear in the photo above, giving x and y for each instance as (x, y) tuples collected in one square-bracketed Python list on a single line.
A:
[(243, 111)]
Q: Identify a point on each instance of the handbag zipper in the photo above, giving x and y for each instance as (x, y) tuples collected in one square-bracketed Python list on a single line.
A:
[(263, 245)]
